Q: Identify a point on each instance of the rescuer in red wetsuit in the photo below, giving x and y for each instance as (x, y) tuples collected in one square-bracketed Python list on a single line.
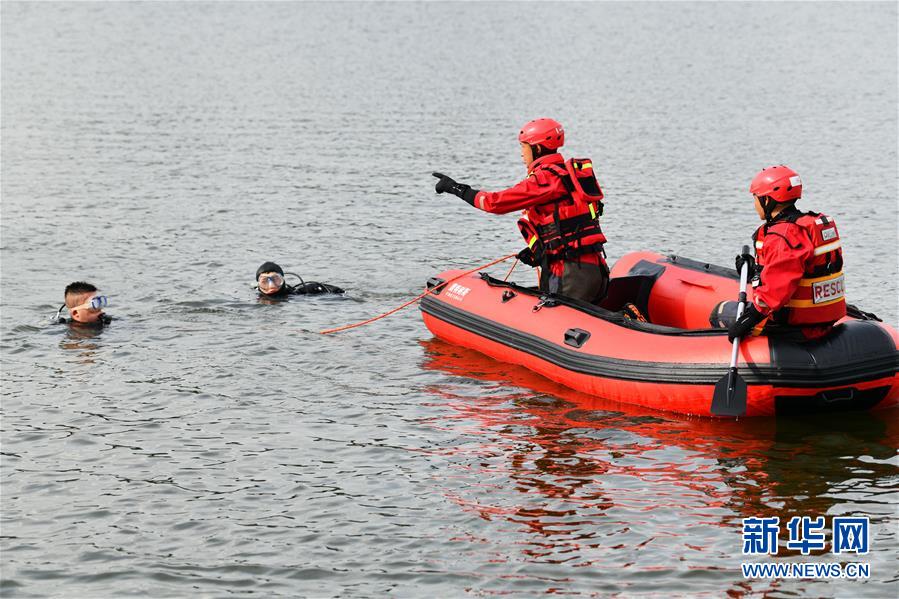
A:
[(798, 268), (563, 202)]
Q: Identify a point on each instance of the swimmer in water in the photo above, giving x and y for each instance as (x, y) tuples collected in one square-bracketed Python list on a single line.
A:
[(270, 283), (85, 306)]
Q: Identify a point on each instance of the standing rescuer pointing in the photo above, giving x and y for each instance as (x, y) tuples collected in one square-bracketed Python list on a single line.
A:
[(562, 202), (798, 269)]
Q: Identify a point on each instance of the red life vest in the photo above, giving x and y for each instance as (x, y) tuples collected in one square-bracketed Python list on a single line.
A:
[(568, 227), (819, 299)]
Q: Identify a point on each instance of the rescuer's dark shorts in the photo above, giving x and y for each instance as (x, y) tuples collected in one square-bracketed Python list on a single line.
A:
[(580, 281)]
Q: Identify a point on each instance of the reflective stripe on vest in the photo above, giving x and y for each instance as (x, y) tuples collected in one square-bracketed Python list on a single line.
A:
[(819, 251), (819, 291)]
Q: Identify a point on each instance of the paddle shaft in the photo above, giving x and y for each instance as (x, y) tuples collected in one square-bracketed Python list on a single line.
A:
[(729, 397), (744, 277)]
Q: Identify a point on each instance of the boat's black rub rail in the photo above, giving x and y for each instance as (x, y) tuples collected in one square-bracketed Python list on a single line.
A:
[(659, 372)]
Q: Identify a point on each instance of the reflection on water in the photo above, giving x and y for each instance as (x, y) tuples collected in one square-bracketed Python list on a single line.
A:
[(82, 340), (271, 301), (572, 470)]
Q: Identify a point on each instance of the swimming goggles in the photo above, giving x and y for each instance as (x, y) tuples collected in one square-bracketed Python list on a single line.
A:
[(270, 281), (95, 303)]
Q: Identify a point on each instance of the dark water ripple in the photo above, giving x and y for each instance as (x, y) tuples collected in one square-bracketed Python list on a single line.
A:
[(209, 444)]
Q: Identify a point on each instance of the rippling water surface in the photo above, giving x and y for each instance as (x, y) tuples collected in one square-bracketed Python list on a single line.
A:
[(209, 444)]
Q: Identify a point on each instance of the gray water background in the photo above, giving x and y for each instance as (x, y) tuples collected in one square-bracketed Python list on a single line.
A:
[(207, 444)]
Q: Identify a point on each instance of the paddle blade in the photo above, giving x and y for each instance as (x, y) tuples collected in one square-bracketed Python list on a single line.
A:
[(730, 395)]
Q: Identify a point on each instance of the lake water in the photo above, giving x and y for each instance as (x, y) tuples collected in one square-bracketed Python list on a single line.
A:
[(207, 444)]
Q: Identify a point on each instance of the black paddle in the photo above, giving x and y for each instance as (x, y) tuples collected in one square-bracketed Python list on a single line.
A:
[(730, 392)]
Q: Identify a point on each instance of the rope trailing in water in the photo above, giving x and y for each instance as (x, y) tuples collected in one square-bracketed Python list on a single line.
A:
[(415, 299)]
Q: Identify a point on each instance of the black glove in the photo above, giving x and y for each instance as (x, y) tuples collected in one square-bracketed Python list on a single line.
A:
[(744, 325), (457, 189), (745, 259), (526, 256), (445, 184)]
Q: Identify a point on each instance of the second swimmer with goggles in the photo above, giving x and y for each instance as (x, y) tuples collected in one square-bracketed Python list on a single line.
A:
[(270, 283)]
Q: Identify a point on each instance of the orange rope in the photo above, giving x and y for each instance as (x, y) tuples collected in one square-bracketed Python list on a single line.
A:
[(415, 299), (508, 274)]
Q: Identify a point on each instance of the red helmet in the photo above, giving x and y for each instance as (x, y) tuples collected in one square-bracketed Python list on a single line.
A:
[(780, 183), (546, 132)]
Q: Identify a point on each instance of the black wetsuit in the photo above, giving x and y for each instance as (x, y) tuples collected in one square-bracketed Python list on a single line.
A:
[(313, 288), (305, 288), (104, 320)]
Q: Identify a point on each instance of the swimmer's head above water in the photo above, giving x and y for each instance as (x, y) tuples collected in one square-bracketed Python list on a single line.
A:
[(84, 304), (271, 284), (270, 279)]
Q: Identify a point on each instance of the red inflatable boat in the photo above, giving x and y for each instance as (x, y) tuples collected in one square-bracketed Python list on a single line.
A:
[(673, 361)]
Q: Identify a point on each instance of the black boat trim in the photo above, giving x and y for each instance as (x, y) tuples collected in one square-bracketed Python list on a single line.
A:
[(688, 263), (849, 399), (659, 372)]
